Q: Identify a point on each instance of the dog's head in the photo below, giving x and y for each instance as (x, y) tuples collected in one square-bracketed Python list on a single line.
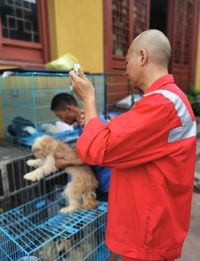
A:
[(42, 147), (46, 145)]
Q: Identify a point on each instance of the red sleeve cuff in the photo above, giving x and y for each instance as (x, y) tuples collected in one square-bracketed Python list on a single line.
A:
[(94, 127)]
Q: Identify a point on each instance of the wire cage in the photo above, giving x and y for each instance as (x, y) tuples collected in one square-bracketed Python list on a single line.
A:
[(118, 87), (14, 189), (28, 94), (12, 167), (26, 98), (37, 231), (31, 227)]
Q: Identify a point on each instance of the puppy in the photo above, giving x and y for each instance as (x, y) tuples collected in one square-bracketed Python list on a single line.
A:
[(80, 191), (69, 249)]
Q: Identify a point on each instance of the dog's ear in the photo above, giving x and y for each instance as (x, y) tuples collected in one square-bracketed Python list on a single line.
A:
[(59, 149), (54, 147), (49, 147), (42, 147)]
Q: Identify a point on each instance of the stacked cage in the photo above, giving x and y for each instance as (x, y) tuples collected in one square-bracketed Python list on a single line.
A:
[(37, 231), (31, 227)]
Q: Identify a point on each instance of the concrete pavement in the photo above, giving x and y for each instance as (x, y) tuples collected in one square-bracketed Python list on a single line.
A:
[(191, 248)]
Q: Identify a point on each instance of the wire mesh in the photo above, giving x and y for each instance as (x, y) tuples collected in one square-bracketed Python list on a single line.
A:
[(26, 96), (36, 230), (29, 94), (118, 87), (14, 189)]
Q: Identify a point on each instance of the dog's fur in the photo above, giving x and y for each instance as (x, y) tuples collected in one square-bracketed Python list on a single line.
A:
[(77, 247), (80, 191)]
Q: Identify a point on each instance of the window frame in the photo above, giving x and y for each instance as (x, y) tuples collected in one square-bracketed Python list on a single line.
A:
[(116, 63), (24, 53)]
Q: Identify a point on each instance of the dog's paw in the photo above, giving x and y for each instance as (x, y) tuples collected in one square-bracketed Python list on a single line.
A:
[(32, 176), (31, 163), (68, 209)]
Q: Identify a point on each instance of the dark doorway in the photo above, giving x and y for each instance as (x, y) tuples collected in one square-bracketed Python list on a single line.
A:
[(158, 15)]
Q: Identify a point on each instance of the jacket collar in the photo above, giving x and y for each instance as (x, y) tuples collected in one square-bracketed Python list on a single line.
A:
[(166, 79)]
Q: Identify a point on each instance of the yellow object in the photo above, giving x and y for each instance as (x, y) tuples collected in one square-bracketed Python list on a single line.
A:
[(197, 70), (64, 62), (77, 27)]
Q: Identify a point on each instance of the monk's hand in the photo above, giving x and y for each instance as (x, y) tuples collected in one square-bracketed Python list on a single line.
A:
[(86, 93), (82, 87)]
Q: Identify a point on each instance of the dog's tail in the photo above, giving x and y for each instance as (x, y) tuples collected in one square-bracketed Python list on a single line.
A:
[(89, 200)]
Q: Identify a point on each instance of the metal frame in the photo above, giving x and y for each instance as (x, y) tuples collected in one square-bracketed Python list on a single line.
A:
[(15, 190), (37, 231)]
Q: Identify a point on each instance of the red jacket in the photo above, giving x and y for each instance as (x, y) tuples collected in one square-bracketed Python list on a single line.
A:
[(151, 150)]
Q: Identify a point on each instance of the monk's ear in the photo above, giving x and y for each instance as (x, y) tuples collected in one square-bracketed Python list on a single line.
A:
[(143, 57)]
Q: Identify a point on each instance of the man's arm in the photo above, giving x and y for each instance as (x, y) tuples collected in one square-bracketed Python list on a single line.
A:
[(63, 163), (85, 91), (133, 138)]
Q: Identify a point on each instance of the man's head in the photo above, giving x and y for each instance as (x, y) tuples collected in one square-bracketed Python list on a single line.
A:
[(65, 107), (148, 52)]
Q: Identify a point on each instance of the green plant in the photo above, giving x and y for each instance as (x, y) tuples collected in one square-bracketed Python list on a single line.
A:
[(194, 99)]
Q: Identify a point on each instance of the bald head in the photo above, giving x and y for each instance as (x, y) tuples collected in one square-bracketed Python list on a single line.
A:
[(156, 44)]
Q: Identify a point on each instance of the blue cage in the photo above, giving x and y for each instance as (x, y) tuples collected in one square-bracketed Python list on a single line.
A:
[(37, 231), (26, 98)]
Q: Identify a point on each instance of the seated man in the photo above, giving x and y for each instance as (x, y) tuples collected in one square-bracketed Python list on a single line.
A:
[(66, 109)]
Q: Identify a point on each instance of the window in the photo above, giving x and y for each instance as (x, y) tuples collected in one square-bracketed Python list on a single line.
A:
[(129, 18), (140, 16), (23, 32), (120, 26)]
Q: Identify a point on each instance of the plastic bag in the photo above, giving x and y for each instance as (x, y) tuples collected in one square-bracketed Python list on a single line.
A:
[(64, 62)]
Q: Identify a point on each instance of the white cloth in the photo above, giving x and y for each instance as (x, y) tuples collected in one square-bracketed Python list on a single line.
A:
[(57, 128)]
